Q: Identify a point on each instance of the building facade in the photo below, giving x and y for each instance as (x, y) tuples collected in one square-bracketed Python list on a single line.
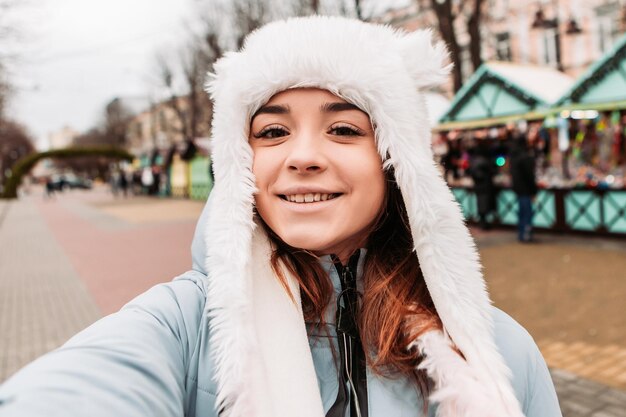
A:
[(62, 138), (568, 35), (160, 127)]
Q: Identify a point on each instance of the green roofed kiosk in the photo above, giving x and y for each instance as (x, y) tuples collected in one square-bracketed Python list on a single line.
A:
[(602, 86), (500, 93)]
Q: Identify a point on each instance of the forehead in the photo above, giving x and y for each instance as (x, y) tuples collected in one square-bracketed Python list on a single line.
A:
[(298, 100), (304, 94)]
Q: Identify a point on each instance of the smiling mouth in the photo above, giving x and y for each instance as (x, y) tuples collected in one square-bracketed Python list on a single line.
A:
[(309, 198)]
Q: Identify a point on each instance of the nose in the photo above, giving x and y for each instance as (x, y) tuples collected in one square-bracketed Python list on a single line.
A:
[(306, 155)]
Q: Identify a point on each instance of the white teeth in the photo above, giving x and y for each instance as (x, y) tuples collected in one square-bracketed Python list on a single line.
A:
[(309, 197)]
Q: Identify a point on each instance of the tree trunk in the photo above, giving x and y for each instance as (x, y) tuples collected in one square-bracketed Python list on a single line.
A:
[(315, 6), (445, 20), (473, 28), (357, 8)]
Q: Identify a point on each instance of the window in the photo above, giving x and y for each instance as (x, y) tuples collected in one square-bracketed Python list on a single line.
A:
[(607, 25), (503, 46), (548, 46)]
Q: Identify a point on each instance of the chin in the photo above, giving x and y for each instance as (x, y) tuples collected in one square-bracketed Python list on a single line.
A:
[(311, 239), (306, 243)]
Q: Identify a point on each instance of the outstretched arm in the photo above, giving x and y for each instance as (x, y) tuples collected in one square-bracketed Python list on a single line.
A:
[(131, 363)]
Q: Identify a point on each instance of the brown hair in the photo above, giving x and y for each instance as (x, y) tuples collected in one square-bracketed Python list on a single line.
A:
[(394, 291)]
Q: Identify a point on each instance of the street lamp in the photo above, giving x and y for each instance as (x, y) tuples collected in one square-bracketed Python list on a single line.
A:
[(541, 22)]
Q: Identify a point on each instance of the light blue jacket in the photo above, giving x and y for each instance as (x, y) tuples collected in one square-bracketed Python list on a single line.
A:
[(152, 359)]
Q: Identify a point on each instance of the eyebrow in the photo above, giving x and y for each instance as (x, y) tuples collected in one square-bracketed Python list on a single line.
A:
[(324, 108), (272, 109), (337, 107)]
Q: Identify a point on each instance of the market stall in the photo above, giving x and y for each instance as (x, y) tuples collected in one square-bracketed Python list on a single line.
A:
[(504, 99)]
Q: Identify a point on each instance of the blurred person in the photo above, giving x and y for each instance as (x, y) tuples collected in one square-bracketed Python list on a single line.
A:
[(114, 182), (606, 136), (63, 185), (619, 141), (124, 183), (589, 146), (136, 182), (450, 160), (155, 188), (147, 180), (524, 184), (333, 274), (49, 188), (482, 169)]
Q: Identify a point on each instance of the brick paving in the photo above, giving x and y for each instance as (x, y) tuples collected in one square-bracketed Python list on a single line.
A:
[(66, 262), (580, 397), (43, 301), (568, 293), (118, 259)]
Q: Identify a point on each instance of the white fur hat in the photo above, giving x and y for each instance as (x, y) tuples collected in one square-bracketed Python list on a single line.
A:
[(258, 338)]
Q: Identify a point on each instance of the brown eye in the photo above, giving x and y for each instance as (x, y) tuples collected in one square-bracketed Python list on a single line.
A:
[(344, 130), (271, 132)]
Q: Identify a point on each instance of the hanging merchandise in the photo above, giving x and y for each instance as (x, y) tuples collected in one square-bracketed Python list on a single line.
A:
[(563, 131)]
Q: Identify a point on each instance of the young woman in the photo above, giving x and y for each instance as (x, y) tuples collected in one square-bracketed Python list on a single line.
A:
[(332, 272)]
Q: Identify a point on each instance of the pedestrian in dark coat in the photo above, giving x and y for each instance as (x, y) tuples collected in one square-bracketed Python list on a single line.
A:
[(450, 161), (482, 170), (524, 184)]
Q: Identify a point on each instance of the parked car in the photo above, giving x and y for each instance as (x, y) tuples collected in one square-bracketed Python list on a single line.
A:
[(61, 182)]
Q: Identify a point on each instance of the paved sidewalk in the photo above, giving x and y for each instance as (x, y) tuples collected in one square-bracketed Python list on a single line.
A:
[(43, 302), (580, 397), (64, 263)]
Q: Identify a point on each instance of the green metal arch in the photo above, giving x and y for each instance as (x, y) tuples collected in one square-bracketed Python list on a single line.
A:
[(25, 164)]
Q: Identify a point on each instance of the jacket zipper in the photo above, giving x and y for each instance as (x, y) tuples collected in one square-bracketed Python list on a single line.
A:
[(347, 358), (349, 343)]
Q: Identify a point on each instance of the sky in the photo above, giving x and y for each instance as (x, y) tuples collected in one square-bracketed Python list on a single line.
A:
[(74, 56)]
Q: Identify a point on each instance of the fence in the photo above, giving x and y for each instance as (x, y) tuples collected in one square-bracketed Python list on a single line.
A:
[(580, 211)]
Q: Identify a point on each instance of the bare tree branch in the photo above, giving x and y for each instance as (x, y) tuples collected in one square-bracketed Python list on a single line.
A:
[(117, 117), (473, 28), (249, 15), (15, 143), (445, 20)]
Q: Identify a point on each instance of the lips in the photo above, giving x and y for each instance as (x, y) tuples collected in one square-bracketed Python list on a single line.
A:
[(308, 197)]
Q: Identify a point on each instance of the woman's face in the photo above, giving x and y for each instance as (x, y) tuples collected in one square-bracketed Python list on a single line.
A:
[(319, 175)]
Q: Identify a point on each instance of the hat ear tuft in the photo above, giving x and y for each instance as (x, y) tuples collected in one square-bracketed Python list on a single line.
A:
[(425, 60)]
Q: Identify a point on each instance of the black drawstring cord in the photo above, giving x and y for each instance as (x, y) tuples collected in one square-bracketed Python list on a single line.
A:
[(352, 372)]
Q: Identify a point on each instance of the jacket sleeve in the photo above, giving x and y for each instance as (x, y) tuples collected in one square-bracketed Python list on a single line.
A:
[(131, 363), (531, 379)]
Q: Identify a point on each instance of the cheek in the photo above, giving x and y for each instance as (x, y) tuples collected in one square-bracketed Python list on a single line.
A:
[(264, 168), (372, 178), (374, 189)]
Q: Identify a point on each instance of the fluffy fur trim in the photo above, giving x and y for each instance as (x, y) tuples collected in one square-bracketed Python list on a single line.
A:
[(381, 70), (458, 391)]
